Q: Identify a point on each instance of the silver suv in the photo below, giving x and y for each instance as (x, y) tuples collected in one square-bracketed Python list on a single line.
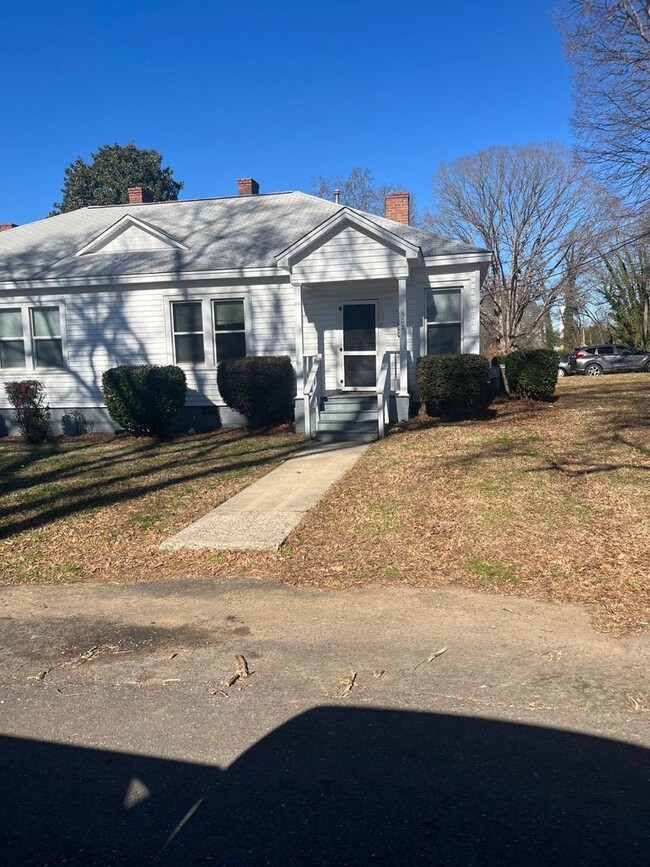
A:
[(608, 358)]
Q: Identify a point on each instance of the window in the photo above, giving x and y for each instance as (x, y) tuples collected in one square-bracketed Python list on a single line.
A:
[(605, 350), (12, 341), (443, 321), (46, 333), (229, 329), (187, 324), (190, 326), (44, 328)]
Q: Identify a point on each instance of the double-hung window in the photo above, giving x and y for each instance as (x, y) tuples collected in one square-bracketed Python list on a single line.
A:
[(47, 337), (31, 337), (12, 338), (190, 327), (444, 321), (229, 329), (187, 324)]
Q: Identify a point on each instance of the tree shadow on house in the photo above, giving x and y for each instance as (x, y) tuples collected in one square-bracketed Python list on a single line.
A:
[(344, 786)]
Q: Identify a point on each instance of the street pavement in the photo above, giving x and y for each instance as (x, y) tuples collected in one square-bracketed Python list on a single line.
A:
[(376, 726)]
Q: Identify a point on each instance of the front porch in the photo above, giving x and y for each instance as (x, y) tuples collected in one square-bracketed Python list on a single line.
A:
[(356, 332), (360, 415)]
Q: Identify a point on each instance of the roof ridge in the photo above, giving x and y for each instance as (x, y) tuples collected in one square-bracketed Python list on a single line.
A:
[(186, 201)]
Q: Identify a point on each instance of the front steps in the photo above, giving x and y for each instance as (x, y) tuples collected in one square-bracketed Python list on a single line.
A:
[(348, 417)]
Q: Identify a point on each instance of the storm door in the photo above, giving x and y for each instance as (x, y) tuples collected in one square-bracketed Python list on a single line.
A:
[(359, 345)]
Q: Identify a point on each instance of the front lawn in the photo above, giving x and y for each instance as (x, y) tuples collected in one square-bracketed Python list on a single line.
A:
[(544, 500), (98, 507)]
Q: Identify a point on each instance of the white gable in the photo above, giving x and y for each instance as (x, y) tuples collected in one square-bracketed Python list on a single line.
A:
[(130, 235), (350, 254)]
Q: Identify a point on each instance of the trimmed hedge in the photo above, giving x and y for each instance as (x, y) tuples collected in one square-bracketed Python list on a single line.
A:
[(262, 388), (532, 373), (144, 398), (454, 386), (27, 396)]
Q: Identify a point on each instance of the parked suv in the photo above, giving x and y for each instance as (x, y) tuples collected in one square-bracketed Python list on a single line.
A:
[(608, 358)]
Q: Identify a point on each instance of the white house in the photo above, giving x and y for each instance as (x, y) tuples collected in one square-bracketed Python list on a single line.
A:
[(353, 299)]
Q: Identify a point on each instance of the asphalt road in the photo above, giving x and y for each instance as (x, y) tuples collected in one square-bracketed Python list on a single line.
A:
[(523, 743)]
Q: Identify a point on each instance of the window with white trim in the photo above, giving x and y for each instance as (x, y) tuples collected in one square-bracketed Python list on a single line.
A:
[(31, 337), (187, 326), (47, 337), (229, 329), (12, 338), (443, 321), (191, 324)]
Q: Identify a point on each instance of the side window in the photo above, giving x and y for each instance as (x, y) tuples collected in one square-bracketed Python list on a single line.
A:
[(187, 325), (229, 329), (47, 337), (443, 321), (12, 339), (605, 350)]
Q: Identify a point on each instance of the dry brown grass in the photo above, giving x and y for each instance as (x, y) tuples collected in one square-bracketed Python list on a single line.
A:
[(97, 507), (544, 500)]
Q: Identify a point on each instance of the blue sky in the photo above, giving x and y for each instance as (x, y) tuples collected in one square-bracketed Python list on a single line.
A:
[(280, 90)]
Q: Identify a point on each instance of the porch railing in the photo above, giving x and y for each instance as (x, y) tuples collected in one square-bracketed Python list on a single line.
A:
[(388, 372), (312, 392)]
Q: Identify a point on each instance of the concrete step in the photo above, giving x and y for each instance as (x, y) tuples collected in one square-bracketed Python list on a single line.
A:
[(346, 437), (333, 425), (345, 415), (338, 403)]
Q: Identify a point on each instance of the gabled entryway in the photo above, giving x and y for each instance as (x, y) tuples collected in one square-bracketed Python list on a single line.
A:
[(349, 277)]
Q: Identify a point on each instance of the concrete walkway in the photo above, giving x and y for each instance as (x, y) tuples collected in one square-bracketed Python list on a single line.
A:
[(261, 516)]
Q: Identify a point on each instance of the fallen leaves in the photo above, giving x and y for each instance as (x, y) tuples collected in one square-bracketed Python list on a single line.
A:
[(538, 503)]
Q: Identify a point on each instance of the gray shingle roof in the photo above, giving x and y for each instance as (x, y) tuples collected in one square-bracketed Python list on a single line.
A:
[(220, 234)]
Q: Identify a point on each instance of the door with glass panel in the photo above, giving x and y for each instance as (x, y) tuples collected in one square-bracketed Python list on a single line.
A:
[(358, 350)]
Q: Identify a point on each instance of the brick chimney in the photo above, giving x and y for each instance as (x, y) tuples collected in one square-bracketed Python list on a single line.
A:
[(4, 227), (397, 206), (138, 195), (247, 187)]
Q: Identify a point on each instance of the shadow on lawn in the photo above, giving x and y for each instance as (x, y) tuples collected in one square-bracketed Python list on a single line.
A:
[(184, 461), (340, 786), (614, 415)]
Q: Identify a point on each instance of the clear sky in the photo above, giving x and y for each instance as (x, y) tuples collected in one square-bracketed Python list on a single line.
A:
[(277, 90)]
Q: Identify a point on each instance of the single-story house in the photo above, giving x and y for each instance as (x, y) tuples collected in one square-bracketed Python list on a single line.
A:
[(353, 298)]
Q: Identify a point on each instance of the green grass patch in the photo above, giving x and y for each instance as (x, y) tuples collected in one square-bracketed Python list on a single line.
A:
[(492, 571)]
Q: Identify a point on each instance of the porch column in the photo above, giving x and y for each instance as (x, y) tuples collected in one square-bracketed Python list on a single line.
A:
[(300, 368), (403, 354)]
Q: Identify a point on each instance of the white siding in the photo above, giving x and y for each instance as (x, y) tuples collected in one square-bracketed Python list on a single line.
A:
[(132, 239), (112, 326), (350, 255), (133, 326)]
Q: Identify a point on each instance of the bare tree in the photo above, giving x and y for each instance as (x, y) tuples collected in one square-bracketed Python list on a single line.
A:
[(533, 207), (608, 46), (358, 190)]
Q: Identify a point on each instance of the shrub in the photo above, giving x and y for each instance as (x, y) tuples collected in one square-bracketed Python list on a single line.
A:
[(532, 373), (262, 388), (454, 386), (144, 398), (27, 396)]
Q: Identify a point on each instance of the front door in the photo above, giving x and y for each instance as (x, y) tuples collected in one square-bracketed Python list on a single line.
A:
[(358, 348)]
